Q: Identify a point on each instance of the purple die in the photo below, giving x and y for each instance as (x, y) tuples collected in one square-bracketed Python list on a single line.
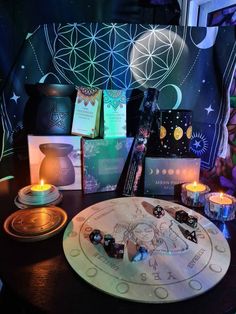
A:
[(158, 211), (117, 250), (181, 216), (96, 236), (192, 221)]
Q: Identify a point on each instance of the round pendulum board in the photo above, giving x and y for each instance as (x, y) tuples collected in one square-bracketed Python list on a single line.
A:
[(181, 264)]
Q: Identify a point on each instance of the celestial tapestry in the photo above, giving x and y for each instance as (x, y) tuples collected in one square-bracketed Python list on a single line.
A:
[(192, 67)]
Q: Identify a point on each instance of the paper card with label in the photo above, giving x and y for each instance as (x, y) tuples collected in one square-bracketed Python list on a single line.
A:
[(86, 119), (114, 113)]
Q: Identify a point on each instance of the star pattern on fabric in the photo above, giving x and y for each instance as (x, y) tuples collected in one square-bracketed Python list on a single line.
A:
[(209, 109), (56, 117), (15, 97)]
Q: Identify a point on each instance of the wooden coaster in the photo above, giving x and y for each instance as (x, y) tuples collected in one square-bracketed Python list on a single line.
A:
[(35, 224)]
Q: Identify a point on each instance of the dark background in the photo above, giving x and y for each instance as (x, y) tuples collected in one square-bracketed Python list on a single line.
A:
[(18, 17)]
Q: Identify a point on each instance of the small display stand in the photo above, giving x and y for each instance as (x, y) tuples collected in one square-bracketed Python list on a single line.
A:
[(27, 197), (35, 224), (177, 268)]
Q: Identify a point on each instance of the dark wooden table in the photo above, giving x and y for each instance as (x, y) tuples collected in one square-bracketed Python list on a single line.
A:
[(41, 280)]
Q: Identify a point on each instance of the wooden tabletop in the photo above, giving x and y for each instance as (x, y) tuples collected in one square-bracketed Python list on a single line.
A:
[(40, 276)]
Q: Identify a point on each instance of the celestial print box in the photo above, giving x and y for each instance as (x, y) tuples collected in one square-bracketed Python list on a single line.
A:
[(56, 160), (163, 174), (103, 162)]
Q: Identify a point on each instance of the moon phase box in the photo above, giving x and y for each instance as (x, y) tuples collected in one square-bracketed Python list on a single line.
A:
[(162, 174)]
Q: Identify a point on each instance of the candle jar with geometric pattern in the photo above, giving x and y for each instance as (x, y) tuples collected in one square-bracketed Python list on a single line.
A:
[(220, 206), (175, 131)]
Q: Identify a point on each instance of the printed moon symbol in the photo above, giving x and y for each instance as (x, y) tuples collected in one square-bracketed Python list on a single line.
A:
[(189, 132), (162, 132), (178, 133)]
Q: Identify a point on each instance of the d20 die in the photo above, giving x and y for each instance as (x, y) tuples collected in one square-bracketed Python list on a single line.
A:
[(192, 221), (181, 216), (96, 236), (158, 211)]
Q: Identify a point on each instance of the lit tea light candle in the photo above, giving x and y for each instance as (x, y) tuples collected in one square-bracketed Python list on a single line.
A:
[(195, 187), (40, 188), (221, 199), (193, 194), (220, 206)]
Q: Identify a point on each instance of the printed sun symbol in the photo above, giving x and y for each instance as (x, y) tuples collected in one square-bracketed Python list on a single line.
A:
[(199, 143)]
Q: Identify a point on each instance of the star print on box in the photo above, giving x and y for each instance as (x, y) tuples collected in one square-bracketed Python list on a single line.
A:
[(192, 67)]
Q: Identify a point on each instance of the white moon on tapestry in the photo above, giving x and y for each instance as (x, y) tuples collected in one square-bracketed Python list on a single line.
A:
[(155, 54)]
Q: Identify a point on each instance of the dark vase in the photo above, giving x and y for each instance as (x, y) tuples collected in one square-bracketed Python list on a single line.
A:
[(54, 105), (56, 168)]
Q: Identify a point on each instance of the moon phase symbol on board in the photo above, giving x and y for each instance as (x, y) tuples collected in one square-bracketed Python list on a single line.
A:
[(178, 94), (209, 39)]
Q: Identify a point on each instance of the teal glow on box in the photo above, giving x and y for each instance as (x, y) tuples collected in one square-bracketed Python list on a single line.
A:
[(86, 118), (162, 175), (103, 163), (114, 106)]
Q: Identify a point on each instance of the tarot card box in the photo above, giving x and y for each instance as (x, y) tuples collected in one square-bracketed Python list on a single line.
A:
[(103, 163), (162, 175), (56, 160), (86, 118)]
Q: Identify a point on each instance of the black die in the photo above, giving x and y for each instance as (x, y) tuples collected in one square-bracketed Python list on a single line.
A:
[(192, 221), (158, 211), (108, 242), (96, 236), (181, 216), (117, 250)]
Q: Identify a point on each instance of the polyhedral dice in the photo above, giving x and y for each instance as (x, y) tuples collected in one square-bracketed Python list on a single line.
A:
[(108, 242), (117, 250), (181, 216), (158, 211), (140, 255), (95, 236), (192, 221)]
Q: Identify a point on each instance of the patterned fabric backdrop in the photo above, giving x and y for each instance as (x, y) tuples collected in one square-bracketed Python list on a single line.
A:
[(191, 66)]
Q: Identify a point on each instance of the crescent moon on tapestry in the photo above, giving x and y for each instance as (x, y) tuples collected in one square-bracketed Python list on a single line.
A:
[(178, 94), (209, 39)]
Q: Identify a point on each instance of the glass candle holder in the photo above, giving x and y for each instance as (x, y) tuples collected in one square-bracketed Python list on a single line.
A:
[(193, 194), (220, 206)]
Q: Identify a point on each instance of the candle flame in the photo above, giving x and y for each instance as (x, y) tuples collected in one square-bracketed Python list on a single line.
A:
[(41, 182), (195, 183), (221, 195)]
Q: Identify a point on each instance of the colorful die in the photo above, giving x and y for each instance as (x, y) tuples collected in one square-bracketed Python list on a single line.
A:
[(141, 254), (181, 216), (158, 211), (192, 221), (96, 236)]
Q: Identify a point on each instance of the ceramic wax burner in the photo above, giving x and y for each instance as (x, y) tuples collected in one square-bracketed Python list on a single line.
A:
[(53, 104)]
